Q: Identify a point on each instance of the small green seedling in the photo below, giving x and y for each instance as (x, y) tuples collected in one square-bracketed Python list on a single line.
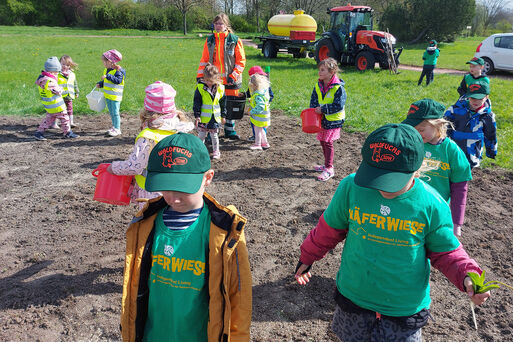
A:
[(479, 286)]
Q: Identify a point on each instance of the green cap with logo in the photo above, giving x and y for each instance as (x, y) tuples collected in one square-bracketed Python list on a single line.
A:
[(476, 61), (478, 90), (177, 163), (424, 109), (391, 154)]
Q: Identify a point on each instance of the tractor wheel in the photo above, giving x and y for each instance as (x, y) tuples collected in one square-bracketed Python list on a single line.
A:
[(269, 50), (488, 66), (364, 60), (325, 49)]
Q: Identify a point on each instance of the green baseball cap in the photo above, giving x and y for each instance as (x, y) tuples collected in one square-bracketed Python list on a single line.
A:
[(433, 42), (478, 90), (177, 163), (391, 154), (476, 61), (423, 110)]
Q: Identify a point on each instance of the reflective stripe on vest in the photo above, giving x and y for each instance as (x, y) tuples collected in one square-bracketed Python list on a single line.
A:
[(155, 135), (67, 84), (210, 106), (53, 103), (328, 99), (113, 91), (262, 119)]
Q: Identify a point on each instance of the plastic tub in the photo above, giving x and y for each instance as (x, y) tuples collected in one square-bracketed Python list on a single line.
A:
[(310, 121), (112, 189), (96, 100), (235, 106)]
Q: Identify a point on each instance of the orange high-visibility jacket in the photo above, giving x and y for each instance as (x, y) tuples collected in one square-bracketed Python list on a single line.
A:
[(228, 281), (226, 52)]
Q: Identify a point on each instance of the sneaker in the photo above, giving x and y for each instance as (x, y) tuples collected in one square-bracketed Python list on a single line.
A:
[(113, 132), (256, 147), (266, 146), (252, 138), (216, 155), (457, 230), (325, 175), (71, 135), (233, 137), (55, 125), (319, 168), (39, 136)]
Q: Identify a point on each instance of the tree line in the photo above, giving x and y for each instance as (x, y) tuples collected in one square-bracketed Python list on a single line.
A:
[(409, 20)]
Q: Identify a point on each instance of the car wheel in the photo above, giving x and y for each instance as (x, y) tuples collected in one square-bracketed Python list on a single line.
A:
[(269, 50), (364, 60), (488, 65)]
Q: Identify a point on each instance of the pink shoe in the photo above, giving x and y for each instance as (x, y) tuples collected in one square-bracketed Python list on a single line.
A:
[(325, 175), (256, 147), (319, 168), (216, 155), (266, 146)]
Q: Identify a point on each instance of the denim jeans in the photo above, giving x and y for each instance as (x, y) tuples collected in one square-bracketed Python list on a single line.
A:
[(113, 107)]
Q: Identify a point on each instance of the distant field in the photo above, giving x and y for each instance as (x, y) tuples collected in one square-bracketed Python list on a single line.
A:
[(374, 98)]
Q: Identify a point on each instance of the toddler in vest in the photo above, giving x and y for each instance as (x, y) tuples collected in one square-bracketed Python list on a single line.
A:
[(68, 81), (113, 81), (259, 112), (159, 118), (448, 170), (328, 98), (209, 107), (51, 96), (257, 69)]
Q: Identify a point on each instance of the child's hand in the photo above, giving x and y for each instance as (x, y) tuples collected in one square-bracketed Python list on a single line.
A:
[(97, 85), (197, 121), (223, 121), (103, 77), (76, 96), (302, 276), (318, 110), (477, 298)]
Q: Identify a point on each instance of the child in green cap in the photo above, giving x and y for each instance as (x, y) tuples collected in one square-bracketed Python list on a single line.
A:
[(430, 58), (475, 75), (448, 168), (395, 227), (187, 275), (473, 124)]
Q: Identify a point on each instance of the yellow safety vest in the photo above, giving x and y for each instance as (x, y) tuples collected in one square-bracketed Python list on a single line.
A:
[(155, 135), (210, 106), (67, 84), (113, 91), (262, 119), (53, 103), (328, 99)]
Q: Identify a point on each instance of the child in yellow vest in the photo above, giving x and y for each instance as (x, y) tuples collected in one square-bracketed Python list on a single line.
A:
[(68, 81), (260, 114), (51, 97), (159, 119), (209, 106), (113, 82)]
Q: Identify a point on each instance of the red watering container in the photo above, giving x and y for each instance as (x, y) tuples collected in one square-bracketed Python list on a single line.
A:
[(311, 121), (112, 189)]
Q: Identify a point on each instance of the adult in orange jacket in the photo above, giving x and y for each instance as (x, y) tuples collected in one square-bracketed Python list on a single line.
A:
[(225, 50)]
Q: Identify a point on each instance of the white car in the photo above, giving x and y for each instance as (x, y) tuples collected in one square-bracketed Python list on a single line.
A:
[(497, 52)]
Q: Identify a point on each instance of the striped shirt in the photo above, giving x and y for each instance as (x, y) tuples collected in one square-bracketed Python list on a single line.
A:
[(180, 221)]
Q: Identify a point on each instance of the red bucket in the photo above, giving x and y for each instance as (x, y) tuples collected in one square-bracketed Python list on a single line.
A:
[(311, 121), (112, 189)]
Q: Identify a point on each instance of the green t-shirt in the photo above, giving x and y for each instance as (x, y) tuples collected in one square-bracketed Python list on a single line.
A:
[(469, 80), (178, 300), (384, 267), (450, 165)]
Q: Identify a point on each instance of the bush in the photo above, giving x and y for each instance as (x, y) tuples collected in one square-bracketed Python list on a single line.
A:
[(240, 24)]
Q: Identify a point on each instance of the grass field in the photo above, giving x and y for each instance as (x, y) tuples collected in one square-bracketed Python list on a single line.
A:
[(374, 98)]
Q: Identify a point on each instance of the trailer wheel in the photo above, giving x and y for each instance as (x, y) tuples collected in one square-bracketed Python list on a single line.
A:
[(364, 60), (269, 50), (325, 49)]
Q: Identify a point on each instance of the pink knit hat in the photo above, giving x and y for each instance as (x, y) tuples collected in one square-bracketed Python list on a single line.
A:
[(113, 55), (256, 70), (160, 98)]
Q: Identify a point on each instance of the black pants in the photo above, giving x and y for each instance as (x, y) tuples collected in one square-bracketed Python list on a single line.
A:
[(427, 71)]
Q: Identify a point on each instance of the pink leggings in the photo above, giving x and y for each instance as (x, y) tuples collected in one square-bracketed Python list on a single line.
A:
[(50, 119), (329, 152)]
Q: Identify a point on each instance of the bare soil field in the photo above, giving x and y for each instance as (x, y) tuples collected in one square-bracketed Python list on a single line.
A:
[(62, 253)]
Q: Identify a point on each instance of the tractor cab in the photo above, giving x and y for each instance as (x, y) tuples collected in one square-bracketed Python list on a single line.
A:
[(345, 21)]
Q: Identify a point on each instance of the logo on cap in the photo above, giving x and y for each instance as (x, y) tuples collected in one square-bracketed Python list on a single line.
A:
[(474, 87), (167, 156), (413, 109), (378, 157)]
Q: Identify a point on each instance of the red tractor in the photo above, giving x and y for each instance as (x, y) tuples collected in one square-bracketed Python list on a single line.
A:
[(351, 40)]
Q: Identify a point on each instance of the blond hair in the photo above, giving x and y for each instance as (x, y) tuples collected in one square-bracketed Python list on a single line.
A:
[(211, 73), (440, 126), (224, 18), (258, 82), (330, 64), (149, 118), (66, 60)]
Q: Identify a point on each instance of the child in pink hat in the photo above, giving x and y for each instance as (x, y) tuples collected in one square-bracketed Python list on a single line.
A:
[(257, 69), (113, 83), (159, 119)]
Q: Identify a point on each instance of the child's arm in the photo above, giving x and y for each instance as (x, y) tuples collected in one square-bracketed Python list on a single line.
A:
[(490, 135), (196, 106), (136, 161), (314, 101), (55, 88), (259, 105), (462, 89), (118, 76), (271, 95), (458, 202), (222, 104), (338, 104), (77, 91)]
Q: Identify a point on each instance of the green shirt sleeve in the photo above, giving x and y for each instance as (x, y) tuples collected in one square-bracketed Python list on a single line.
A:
[(336, 213)]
